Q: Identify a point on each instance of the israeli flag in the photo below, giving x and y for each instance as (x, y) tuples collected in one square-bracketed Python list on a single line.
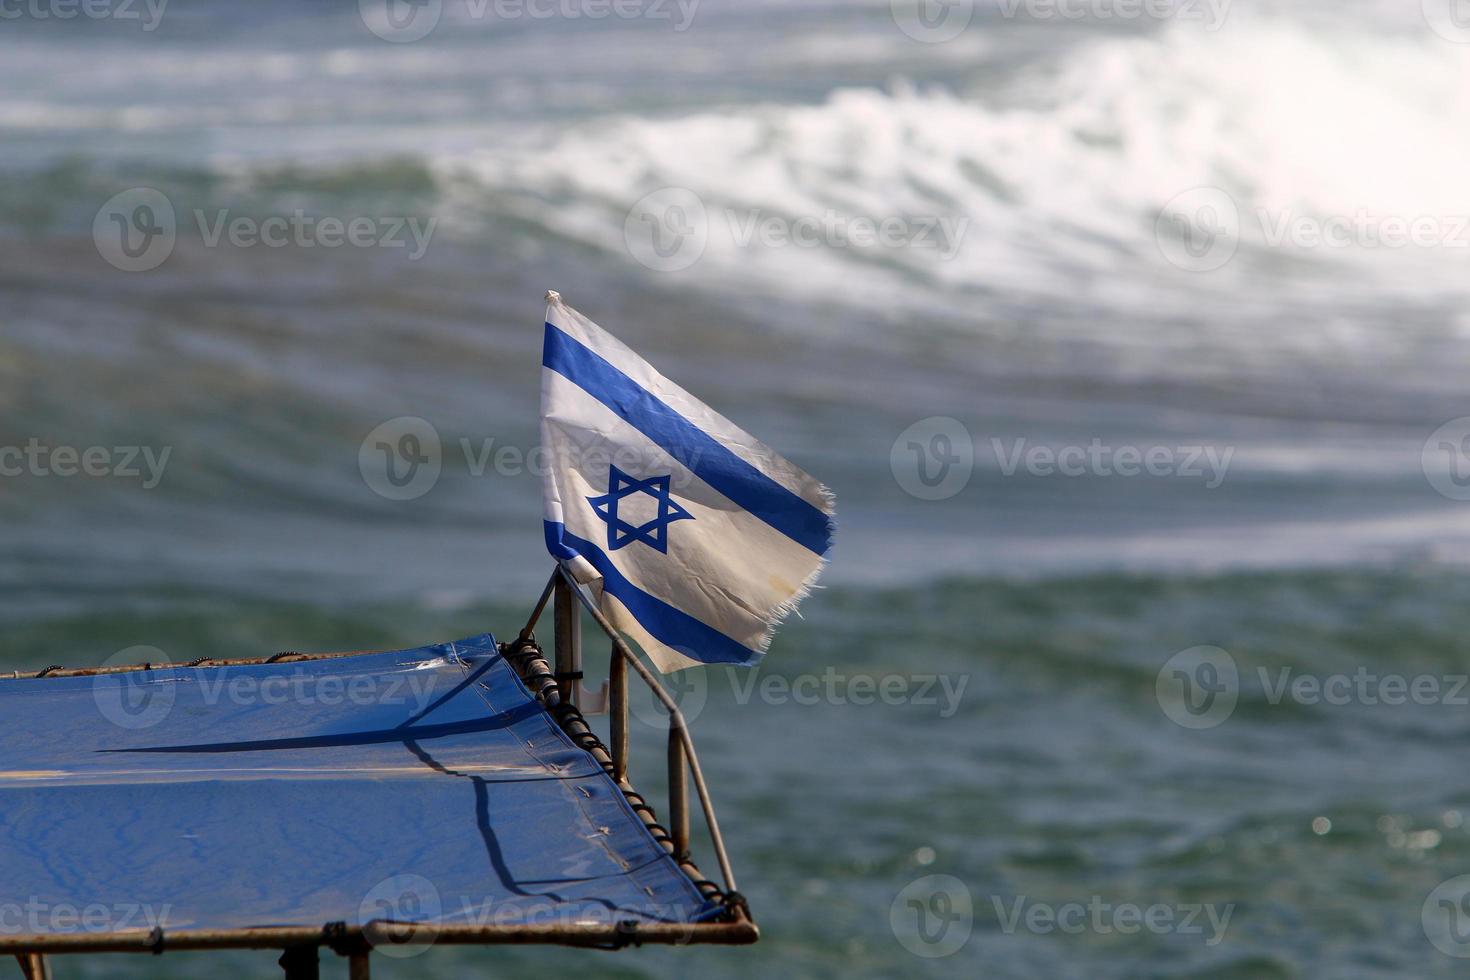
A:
[(696, 537)]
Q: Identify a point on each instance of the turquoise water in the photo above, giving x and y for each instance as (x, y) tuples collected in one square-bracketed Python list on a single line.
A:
[(1018, 684)]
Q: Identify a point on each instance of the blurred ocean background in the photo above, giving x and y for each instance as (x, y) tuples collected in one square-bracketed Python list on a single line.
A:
[(1055, 319)]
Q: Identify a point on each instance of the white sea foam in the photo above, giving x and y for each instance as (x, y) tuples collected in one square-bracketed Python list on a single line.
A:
[(1051, 171)]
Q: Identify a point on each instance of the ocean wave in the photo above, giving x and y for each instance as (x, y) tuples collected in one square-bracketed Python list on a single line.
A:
[(1058, 180), (1028, 207), (1049, 184)]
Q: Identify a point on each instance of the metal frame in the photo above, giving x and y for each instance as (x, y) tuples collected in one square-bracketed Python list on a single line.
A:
[(301, 944), (683, 760)]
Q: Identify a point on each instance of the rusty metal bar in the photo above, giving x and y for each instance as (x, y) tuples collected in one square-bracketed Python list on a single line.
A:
[(740, 930), (706, 804), (678, 790), (279, 658), (530, 626), (536, 673), (286, 658), (568, 640), (34, 966), (617, 683), (358, 967)]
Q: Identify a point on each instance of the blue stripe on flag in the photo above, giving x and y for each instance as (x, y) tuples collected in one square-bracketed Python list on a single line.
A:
[(674, 627), (732, 476)]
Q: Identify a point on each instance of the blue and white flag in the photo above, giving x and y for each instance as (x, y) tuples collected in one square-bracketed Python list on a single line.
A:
[(697, 538)]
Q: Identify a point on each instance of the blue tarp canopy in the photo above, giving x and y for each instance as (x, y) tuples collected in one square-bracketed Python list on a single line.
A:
[(425, 785)]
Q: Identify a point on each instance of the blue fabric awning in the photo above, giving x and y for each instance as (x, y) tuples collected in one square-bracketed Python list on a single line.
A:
[(425, 785)]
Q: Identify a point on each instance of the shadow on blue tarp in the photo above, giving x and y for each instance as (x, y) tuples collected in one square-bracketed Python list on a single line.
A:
[(421, 785)]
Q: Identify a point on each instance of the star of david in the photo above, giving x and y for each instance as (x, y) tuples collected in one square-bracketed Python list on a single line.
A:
[(654, 533)]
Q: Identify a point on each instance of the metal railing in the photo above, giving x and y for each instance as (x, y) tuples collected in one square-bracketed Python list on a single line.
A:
[(683, 762), (302, 943)]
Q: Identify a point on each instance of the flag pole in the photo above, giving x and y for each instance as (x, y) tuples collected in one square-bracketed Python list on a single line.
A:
[(678, 725), (567, 615)]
